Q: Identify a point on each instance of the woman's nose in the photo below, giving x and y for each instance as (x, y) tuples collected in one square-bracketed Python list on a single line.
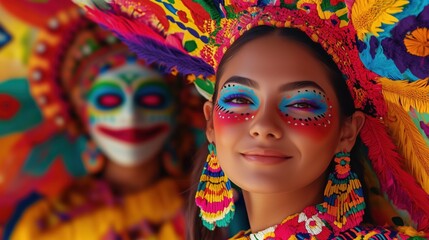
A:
[(266, 124)]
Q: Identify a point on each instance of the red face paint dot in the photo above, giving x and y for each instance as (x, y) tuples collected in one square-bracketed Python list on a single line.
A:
[(9, 107)]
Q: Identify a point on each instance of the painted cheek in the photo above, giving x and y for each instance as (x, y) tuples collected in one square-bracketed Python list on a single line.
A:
[(228, 117), (96, 117), (224, 119), (148, 116), (316, 125)]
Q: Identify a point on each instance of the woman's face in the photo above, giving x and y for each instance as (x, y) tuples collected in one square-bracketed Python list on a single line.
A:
[(275, 122), (130, 113)]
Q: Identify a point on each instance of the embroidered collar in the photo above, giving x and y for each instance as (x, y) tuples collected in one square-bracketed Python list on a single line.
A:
[(312, 224)]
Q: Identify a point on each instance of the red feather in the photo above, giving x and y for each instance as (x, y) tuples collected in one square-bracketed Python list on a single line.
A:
[(399, 185)]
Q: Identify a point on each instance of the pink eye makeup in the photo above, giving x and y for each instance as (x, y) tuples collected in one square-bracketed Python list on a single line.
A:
[(106, 96), (109, 100), (153, 96), (236, 103), (306, 108)]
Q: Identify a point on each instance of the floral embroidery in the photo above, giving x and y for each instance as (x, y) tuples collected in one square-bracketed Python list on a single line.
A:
[(312, 224), (265, 234), (417, 42), (408, 45), (368, 16)]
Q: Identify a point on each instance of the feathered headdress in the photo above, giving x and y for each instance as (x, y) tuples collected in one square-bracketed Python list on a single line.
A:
[(382, 48)]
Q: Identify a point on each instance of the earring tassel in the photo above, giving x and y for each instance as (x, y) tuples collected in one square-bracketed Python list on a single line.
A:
[(214, 196), (343, 197)]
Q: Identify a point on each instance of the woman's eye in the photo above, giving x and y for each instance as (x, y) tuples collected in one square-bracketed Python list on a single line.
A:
[(109, 101), (302, 105), (237, 99), (240, 101)]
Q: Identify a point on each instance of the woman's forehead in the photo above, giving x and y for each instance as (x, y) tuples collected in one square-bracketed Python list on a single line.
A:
[(275, 60)]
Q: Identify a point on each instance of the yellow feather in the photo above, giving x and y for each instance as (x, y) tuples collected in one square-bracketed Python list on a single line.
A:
[(410, 142), (407, 94)]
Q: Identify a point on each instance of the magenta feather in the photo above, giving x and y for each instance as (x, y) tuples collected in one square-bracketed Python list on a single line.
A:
[(150, 44)]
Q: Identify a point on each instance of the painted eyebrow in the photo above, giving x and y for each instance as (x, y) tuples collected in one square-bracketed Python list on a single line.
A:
[(300, 84), (285, 87), (103, 84), (242, 80)]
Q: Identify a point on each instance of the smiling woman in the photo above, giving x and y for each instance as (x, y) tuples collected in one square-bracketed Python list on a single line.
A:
[(289, 106), (274, 120), (284, 117)]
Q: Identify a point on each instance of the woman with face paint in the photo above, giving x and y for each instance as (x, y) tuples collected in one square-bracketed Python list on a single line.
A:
[(123, 122), (315, 134)]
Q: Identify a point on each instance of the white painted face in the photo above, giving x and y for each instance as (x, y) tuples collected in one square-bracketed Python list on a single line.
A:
[(130, 113)]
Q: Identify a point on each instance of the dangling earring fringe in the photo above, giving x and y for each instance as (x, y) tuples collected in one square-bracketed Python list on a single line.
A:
[(214, 196), (344, 203)]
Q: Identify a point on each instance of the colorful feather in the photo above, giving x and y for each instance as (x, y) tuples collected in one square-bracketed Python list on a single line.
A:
[(151, 45), (399, 185), (410, 143), (407, 94)]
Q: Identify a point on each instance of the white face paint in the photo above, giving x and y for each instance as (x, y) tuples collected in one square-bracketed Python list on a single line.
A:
[(130, 112)]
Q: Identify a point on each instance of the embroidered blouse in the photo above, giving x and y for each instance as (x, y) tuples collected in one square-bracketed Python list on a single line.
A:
[(311, 224)]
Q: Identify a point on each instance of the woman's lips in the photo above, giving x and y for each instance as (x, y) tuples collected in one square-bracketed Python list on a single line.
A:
[(265, 156), (133, 135)]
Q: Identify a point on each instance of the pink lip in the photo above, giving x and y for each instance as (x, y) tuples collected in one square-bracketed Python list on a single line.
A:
[(133, 135), (265, 156)]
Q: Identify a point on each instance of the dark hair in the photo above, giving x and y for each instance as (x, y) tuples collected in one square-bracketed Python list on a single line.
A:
[(338, 81)]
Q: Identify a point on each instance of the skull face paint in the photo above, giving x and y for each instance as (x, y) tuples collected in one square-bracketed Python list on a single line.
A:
[(130, 111)]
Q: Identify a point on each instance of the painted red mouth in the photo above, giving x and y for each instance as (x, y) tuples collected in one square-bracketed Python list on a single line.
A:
[(133, 135)]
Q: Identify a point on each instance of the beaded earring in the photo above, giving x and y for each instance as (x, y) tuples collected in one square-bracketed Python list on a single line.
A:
[(343, 196), (214, 196)]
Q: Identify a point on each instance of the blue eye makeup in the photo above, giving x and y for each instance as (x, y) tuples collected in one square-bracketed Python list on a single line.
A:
[(235, 98), (106, 96), (153, 95), (305, 104)]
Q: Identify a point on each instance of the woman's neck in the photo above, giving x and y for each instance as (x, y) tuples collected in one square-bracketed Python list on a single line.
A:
[(128, 179), (266, 210)]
